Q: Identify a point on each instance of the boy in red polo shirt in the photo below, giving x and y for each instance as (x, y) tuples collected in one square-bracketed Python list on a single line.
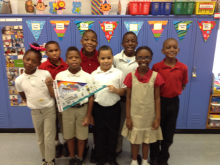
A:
[(90, 63), (175, 75), (55, 65)]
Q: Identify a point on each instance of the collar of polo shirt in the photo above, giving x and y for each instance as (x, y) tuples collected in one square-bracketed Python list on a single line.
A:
[(74, 75), (31, 75), (100, 71)]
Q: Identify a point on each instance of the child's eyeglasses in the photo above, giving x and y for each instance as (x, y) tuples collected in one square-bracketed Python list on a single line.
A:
[(143, 58)]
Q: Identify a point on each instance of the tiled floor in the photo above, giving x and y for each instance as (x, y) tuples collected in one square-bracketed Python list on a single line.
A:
[(188, 149)]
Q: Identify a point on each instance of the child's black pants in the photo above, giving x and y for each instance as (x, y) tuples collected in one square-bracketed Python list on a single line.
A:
[(107, 120), (169, 113)]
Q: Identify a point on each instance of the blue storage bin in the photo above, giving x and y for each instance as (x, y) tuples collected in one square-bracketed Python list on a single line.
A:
[(161, 8)]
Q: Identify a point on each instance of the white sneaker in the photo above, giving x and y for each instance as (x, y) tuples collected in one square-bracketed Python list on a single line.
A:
[(44, 163), (145, 163), (51, 163), (134, 162)]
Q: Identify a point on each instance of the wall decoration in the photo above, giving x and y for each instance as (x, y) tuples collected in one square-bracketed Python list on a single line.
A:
[(40, 6), (52, 7), (18, 31), (83, 26), (6, 7), (60, 28), (6, 40), (29, 6), (59, 5), (36, 27), (157, 28), (105, 7), (96, 7), (134, 26), (8, 30), (10, 51), (18, 43), (1, 3), (182, 27), (76, 7), (108, 28), (13, 100), (206, 28)]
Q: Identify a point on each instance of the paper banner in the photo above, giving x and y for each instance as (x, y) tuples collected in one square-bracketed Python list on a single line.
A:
[(60, 28), (70, 93), (83, 26), (96, 7), (206, 28), (36, 27), (157, 28), (108, 28), (134, 26), (182, 27)]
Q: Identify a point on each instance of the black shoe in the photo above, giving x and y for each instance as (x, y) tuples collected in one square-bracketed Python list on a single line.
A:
[(72, 161), (59, 149), (100, 163), (92, 157), (119, 152), (113, 163), (139, 159), (154, 162), (79, 162), (65, 151), (86, 149)]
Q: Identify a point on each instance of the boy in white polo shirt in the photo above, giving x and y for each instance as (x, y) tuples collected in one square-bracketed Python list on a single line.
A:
[(77, 118), (33, 90), (107, 107)]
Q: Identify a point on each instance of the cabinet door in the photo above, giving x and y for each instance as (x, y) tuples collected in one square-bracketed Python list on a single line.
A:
[(67, 38), (140, 38), (185, 56), (115, 42), (201, 85)]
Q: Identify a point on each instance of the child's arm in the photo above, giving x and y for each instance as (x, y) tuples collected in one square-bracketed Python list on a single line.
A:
[(23, 96), (129, 122), (87, 119), (156, 123), (120, 92), (183, 86), (49, 83)]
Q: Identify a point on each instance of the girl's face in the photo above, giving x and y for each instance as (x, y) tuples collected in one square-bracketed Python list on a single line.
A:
[(143, 58), (31, 62)]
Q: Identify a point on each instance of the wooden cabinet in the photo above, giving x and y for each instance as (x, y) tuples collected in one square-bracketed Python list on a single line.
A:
[(210, 112)]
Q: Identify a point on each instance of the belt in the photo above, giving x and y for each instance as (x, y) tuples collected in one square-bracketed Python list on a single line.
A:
[(78, 105)]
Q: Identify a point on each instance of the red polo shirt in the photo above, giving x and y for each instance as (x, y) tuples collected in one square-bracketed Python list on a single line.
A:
[(174, 78), (54, 70), (89, 64)]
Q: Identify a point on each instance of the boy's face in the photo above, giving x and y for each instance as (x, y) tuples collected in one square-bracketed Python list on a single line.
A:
[(31, 62), (73, 59), (105, 59), (143, 58), (89, 42), (53, 52), (171, 49), (129, 43)]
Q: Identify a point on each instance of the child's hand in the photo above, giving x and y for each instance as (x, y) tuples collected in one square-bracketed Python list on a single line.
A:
[(92, 121), (156, 124), (129, 123), (49, 81), (112, 88), (86, 121)]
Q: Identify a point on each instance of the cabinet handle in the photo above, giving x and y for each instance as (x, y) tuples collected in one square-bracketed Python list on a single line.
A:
[(194, 72)]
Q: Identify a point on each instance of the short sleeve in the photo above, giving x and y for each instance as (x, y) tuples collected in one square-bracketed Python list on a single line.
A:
[(128, 80), (185, 75), (159, 80), (122, 78), (153, 68), (18, 86)]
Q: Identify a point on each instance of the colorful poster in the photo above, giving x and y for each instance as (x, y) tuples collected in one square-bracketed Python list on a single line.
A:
[(206, 28), (96, 7), (108, 28), (157, 28), (36, 27), (76, 7), (182, 27), (70, 93), (82, 26), (60, 28), (134, 26)]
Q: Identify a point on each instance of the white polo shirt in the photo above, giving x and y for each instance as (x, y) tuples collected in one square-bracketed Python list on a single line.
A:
[(80, 76), (112, 77), (124, 63), (35, 89)]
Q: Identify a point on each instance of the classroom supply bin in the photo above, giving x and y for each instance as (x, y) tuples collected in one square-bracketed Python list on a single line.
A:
[(161, 8), (138, 8), (214, 122), (205, 8), (183, 8)]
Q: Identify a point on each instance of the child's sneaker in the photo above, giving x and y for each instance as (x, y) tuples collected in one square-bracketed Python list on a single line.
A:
[(59, 149), (65, 150), (144, 162), (134, 162), (51, 163), (72, 161), (79, 162), (43, 162)]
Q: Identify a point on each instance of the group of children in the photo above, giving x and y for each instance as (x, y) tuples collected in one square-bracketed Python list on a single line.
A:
[(138, 103)]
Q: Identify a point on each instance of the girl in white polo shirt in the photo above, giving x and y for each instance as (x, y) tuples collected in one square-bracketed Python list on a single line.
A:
[(106, 111), (33, 90)]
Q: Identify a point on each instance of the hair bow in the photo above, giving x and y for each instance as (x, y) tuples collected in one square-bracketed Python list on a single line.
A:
[(38, 48)]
